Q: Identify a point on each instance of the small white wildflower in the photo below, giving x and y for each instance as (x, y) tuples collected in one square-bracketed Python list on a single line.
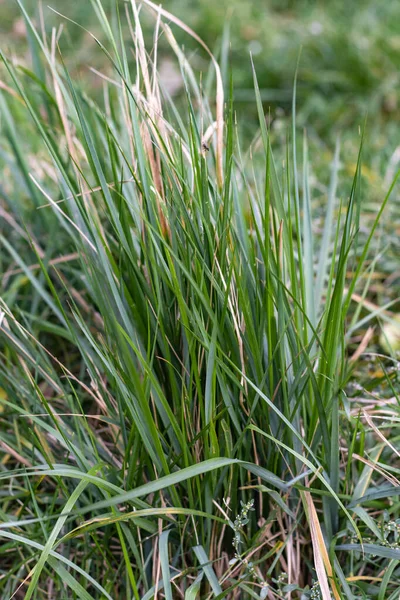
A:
[(264, 592)]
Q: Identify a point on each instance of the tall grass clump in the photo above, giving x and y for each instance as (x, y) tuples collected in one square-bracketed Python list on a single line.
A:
[(177, 338)]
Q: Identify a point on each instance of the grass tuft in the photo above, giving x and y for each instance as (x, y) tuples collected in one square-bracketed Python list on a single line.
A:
[(179, 340)]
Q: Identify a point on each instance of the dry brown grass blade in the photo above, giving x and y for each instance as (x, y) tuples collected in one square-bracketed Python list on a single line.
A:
[(18, 457), (379, 433), (368, 304), (363, 345), (155, 114), (54, 261), (13, 93), (322, 563), (390, 478), (183, 62), (220, 88)]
